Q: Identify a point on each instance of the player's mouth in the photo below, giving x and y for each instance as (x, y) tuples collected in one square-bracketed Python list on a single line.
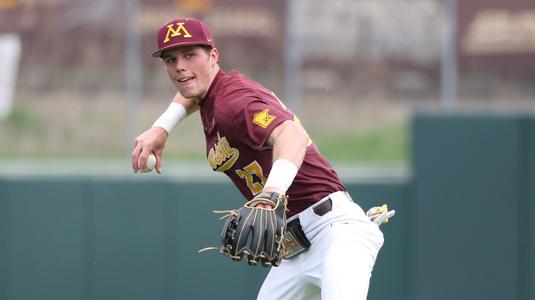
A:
[(185, 80)]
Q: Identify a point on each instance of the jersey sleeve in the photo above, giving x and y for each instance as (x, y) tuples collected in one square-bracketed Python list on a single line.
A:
[(254, 119)]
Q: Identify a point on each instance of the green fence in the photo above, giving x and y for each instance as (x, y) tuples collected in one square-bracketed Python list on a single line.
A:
[(87, 238), (473, 206), (463, 230)]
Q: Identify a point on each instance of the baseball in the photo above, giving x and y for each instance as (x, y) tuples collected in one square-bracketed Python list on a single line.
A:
[(151, 163)]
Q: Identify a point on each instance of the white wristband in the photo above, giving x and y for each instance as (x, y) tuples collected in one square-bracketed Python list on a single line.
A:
[(282, 175), (174, 114)]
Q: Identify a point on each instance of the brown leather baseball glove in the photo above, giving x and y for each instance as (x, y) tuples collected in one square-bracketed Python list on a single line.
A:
[(256, 233)]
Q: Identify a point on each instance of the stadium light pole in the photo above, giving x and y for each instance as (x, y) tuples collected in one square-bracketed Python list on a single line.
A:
[(293, 57), (132, 70), (448, 61)]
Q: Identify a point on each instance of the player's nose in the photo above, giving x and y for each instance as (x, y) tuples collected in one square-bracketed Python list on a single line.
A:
[(181, 65)]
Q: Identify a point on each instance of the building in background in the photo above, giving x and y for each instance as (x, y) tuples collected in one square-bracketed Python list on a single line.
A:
[(363, 62), (355, 47), (497, 49)]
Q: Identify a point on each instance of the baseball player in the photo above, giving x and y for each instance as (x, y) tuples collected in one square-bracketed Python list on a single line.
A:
[(321, 243)]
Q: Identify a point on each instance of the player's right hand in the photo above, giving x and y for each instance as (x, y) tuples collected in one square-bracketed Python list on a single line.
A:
[(151, 141)]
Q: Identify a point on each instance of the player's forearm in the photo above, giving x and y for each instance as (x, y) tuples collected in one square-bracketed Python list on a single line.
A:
[(177, 111), (189, 104), (289, 141)]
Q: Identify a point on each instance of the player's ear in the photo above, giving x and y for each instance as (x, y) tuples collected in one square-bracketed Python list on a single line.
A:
[(214, 54)]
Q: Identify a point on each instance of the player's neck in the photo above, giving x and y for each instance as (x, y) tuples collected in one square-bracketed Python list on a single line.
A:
[(215, 71)]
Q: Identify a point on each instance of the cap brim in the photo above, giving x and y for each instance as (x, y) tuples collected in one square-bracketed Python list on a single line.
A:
[(160, 51)]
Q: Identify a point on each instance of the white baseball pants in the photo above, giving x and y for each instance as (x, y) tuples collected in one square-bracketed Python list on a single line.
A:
[(339, 262)]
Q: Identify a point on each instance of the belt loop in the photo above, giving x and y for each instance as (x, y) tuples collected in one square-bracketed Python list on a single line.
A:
[(324, 207)]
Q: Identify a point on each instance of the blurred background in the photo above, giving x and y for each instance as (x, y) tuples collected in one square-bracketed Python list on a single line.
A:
[(424, 104), (82, 83)]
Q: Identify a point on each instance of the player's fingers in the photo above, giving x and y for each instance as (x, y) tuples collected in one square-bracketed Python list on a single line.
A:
[(264, 205), (258, 238), (135, 156), (143, 156), (158, 167)]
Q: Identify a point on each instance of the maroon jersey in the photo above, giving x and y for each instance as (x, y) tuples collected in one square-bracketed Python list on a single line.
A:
[(238, 115)]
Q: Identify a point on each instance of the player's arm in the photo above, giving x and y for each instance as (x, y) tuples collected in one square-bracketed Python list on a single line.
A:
[(153, 140), (289, 141), (190, 105)]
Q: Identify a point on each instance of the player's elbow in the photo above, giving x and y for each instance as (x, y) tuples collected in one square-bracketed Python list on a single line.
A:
[(304, 139), (298, 134), (289, 133)]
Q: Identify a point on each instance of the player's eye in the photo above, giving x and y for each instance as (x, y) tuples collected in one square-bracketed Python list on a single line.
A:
[(169, 60)]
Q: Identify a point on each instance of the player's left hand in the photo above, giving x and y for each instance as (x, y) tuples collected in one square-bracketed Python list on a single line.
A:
[(255, 231), (380, 214)]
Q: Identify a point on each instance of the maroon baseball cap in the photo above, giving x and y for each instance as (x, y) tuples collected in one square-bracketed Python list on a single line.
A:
[(183, 32)]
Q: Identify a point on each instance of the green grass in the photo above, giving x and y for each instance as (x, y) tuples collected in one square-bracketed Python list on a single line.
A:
[(23, 119), (385, 144), (37, 131)]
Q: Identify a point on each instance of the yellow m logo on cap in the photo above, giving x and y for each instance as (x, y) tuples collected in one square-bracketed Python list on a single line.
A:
[(172, 32)]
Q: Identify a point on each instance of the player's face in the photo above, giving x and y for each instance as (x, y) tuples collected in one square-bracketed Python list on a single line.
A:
[(191, 69)]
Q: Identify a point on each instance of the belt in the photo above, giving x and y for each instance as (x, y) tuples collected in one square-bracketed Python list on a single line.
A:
[(295, 240), (324, 207)]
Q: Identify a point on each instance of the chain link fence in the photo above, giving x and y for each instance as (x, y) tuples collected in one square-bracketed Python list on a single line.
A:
[(361, 64)]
